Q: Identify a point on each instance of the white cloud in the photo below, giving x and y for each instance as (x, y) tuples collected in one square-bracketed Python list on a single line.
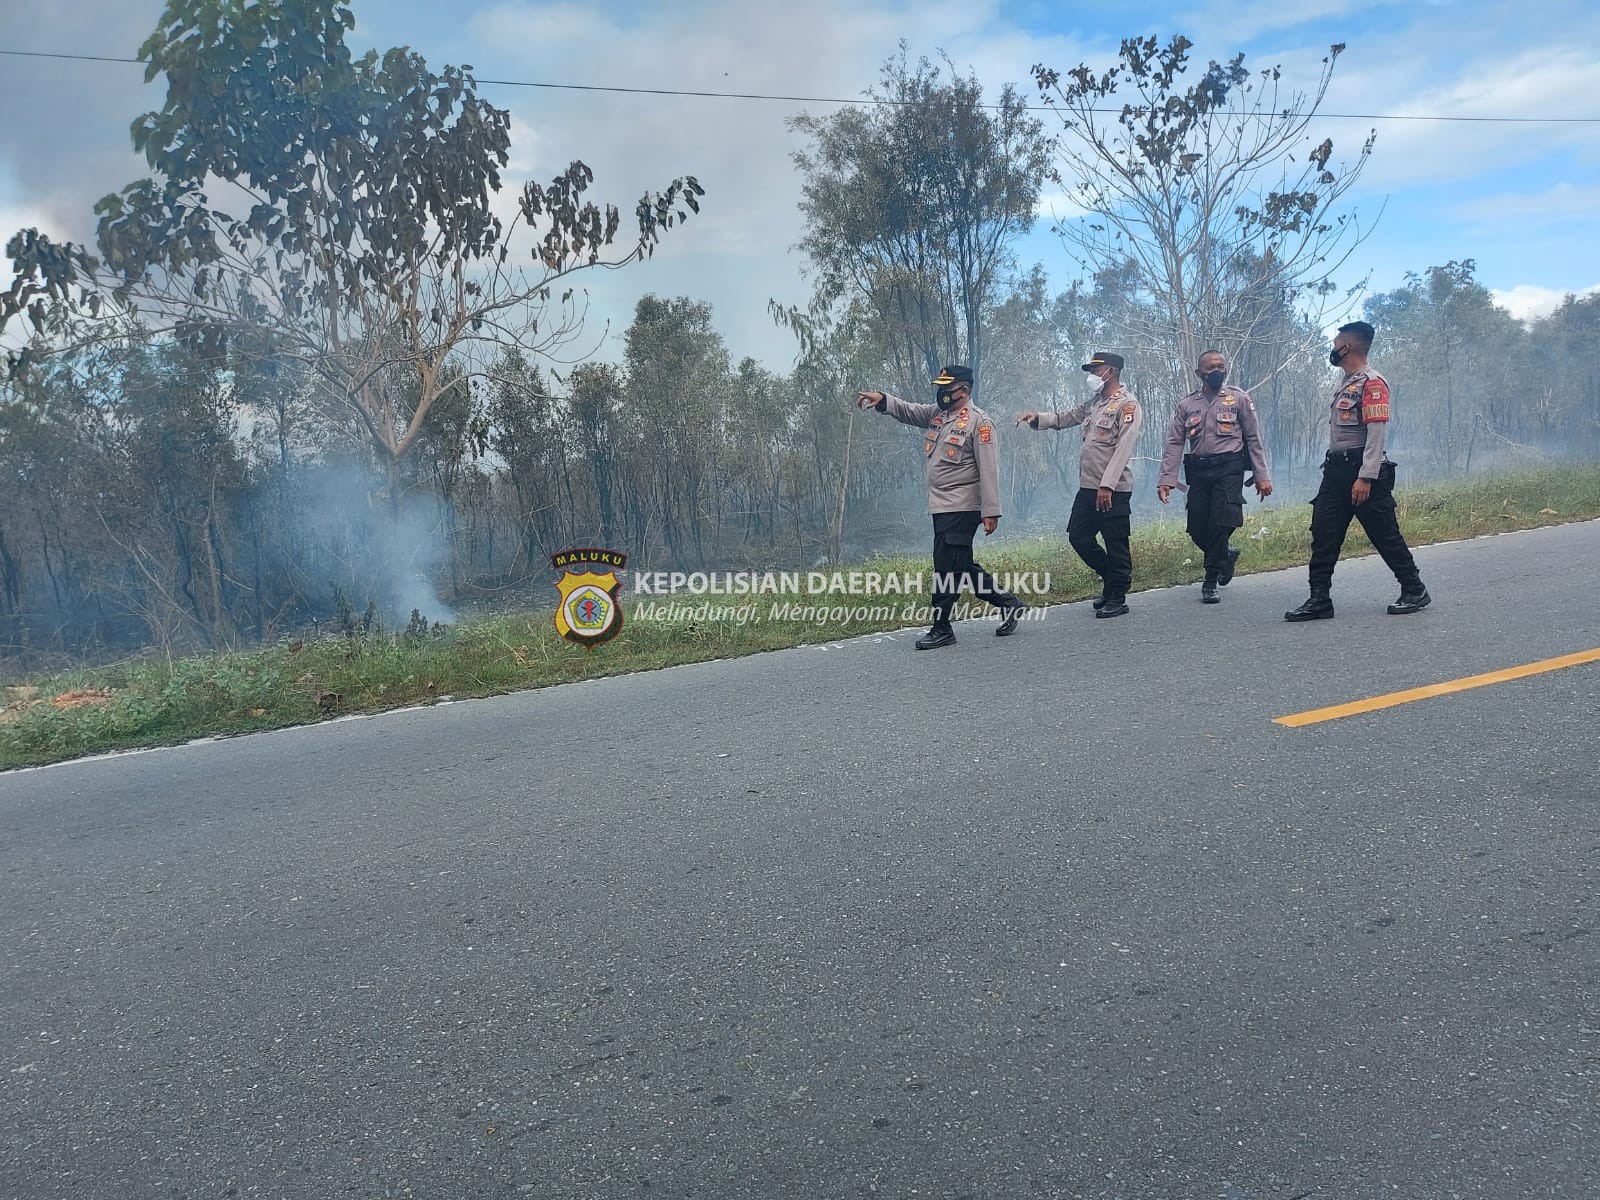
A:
[(1528, 301), (737, 253), (1244, 22), (1487, 83), (1564, 201)]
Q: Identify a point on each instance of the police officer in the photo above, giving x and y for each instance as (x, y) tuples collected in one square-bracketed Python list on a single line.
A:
[(1110, 419), (963, 492), (1357, 481), (1219, 423)]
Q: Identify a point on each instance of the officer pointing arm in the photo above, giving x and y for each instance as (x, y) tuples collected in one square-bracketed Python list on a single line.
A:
[(963, 474)]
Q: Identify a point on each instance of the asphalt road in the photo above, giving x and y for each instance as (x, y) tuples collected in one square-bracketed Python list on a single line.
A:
[(1061, 915)]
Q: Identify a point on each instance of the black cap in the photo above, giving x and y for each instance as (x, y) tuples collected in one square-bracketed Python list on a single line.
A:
[(950, 376), (1104, 358)]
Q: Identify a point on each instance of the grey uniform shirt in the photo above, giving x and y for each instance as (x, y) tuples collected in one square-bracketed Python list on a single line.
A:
[(1110, 429), (1359, 418), (1221, 424), (962, 452)]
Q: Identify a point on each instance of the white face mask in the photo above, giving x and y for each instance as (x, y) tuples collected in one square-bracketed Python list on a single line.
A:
[(1096, 383)]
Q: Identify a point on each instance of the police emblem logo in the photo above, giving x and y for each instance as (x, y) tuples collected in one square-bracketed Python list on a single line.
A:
[(590, 610)]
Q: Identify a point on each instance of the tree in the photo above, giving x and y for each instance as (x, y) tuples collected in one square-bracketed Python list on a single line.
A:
[(677, 391), (1212, 191), (1449, 350), (913, 201), (528, 435), (1565, 405), (595, 405), (367, 246)]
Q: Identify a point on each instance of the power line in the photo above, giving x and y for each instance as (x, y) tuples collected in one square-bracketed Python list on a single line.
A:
[(77, 57), (640, 91)]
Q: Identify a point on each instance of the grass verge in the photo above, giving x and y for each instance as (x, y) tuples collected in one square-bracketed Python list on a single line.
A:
[(146, 703)]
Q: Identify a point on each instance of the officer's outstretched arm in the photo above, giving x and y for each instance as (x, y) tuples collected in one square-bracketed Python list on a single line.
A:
[(906, 413)]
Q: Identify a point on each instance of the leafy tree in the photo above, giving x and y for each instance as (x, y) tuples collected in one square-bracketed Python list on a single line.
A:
[(1449, 350), (528, 432), (595, 404), (677, 400), (355, 225), (1562, 397), (913, 202)]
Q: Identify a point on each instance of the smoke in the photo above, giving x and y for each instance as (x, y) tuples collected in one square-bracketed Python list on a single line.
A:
[(372, 549)]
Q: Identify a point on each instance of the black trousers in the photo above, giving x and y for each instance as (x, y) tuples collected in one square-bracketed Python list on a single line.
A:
[(1330, 522), (1114, 563), (953, 564), (1216, 503)]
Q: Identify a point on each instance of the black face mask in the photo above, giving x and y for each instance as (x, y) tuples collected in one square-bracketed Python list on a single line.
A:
[(944, 398), (1336, 355), (1214, 380)]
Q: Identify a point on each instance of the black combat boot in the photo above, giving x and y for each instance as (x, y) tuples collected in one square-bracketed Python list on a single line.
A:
[(1098, 602), (1008, 624), (1225, 576), (1413, 598), (1115, 605), (939, 635), (1319, 607), (1208, 589)]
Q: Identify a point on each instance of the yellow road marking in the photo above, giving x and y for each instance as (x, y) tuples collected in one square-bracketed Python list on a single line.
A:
[(1315, 715)]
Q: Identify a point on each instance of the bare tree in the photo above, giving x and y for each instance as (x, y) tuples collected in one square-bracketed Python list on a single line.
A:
[(1212, 190)]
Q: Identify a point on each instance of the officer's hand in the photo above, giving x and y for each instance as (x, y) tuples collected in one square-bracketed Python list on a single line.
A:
[(869, 399), (989, 525), (1164, 493), (1263, 488), (1102, 500), (1359, 491), (1030, 418)]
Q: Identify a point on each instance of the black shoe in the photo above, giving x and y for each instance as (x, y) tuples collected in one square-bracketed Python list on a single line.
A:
[(1114, 606), (1098, 602), (1318, 608), (939, 635), (1410, 602), (1208, 589), (1008, 625), (1225, 576)]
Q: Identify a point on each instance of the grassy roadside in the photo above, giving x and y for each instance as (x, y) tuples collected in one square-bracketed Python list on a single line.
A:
[(146, 703)]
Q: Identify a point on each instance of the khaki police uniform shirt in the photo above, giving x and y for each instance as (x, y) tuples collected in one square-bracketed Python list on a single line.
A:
[(1110, 430), (962, 452), (1359, 418), (1221, 424)]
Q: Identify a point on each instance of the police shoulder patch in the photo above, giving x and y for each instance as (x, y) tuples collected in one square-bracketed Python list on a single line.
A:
[(985, 433), (1127, 413), (1375, 401)]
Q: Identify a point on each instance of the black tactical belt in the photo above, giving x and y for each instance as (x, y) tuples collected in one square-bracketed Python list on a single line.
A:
[(1211, 460), (1346, 456)]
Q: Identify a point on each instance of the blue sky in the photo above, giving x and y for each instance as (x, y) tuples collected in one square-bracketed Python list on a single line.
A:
[(1522, 200)]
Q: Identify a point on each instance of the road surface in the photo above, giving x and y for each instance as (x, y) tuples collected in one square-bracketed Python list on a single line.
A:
[(1063, 915)]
